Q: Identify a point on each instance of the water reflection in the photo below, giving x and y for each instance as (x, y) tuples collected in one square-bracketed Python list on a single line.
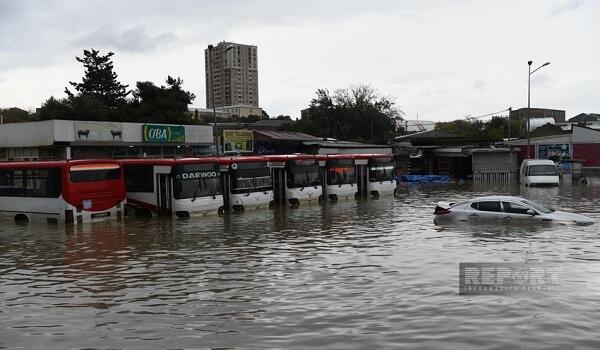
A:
[(344, 275)]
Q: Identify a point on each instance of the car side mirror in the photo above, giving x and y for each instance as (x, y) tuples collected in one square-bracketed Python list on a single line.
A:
[(530, 212)]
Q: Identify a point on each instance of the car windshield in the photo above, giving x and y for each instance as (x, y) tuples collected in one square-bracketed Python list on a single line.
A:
[(542, 170), (538, 207)]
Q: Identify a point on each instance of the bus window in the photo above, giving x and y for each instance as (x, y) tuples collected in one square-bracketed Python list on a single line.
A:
[(196, 180), (303, 173), (139, 178), (95, 172), (30, 182), (251, 177), (340, 172)]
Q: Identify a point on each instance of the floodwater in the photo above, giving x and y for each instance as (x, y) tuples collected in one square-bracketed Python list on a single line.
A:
[(350, 275)]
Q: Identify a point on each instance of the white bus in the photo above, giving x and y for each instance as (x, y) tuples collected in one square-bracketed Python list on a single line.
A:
[(180, 187), (250, 182)]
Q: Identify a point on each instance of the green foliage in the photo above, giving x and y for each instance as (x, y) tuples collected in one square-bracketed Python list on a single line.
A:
[(162, 104), (99, 80), (356, 114), (14, 115), (101, 97), (494, 129)]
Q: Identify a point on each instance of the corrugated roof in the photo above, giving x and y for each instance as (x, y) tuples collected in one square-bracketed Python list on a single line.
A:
[(286, 135)]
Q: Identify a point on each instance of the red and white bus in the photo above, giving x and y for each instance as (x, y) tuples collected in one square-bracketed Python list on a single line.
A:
[(340, 172), (61, 191), (180, 187), (381, 174), (250, 182), (302, 180)]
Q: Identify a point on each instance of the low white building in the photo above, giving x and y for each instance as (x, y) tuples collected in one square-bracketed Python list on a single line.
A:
[(74, 139)]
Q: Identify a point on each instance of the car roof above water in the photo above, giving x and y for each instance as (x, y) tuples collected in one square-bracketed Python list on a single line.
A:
[(538, 162), (497, 198)]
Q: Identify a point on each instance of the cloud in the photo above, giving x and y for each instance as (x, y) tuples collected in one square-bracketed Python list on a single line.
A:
[(479, 85), (135, 39), (565, 7)]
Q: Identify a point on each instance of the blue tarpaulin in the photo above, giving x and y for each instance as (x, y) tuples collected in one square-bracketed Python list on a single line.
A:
[(425, 178)]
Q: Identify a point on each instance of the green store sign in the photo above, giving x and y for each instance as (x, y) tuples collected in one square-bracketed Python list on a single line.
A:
[(163, 133)]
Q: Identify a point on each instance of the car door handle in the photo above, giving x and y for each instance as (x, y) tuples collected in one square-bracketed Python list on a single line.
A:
[(507, 218), (474, 215)]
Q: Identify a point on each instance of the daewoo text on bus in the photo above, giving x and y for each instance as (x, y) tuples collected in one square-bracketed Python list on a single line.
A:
[(180, 187)]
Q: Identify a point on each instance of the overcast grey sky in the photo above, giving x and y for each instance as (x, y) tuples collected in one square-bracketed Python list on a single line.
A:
[(439, 59)]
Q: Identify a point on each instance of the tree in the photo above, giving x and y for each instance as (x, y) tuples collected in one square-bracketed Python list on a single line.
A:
[(164, 104), (494, 129), (14, 115), (99, 80), (356, 114)]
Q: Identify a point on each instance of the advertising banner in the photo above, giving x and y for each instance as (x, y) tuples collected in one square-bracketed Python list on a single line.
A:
[(238, 140), (98, 131), (554, 151)]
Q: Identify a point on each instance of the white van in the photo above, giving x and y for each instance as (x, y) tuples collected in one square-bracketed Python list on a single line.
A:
[(539, 172)]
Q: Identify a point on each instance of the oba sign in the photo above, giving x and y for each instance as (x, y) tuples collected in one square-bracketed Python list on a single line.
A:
[(163, 133)]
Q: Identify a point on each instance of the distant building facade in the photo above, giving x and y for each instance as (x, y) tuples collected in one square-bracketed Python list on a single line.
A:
[(232, 72), (522, 114)]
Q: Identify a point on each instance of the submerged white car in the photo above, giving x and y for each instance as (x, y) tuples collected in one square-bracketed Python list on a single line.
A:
[(503, 209)]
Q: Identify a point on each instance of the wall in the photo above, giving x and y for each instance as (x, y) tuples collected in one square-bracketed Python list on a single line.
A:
[(589, 152)]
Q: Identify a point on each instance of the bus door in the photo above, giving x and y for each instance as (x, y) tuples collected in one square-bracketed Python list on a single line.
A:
[(164, 194)]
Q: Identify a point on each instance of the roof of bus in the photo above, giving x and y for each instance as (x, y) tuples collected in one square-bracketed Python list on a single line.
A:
[(169, 161), (284, 157), (242, 159), (52, 163)]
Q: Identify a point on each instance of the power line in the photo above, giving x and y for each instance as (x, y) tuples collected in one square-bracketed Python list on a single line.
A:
[(491, 114)]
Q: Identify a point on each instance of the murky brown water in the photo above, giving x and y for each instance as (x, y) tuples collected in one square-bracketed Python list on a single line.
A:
[(351, 275)]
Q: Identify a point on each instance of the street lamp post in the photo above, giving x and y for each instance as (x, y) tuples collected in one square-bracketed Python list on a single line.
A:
[(529, 105)]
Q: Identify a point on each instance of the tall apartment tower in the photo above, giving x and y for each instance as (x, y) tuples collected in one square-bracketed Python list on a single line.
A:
[(232, 72)]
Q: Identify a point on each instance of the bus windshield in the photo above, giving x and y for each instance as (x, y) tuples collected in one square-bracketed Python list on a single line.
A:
[(95, 172), (542, 170), (381, 170), (196, 180), (251, 177), (303, 173), (341, 172)]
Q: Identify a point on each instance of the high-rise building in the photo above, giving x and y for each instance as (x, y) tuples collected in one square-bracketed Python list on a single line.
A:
[(232, 72)]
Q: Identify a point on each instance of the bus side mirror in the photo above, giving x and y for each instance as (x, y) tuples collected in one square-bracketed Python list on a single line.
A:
[(530, 212)]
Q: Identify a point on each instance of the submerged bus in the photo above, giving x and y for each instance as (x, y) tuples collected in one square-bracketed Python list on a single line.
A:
[(180, 187), (61, 191), (302, 177), (250, 182), (381, 174), (340, 172)]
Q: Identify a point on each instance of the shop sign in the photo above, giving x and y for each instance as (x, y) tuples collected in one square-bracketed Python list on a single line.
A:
[(163, 133), (238, 140), (554, 151)]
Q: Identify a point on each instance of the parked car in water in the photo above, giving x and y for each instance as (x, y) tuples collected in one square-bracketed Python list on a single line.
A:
[(503, 209), (538, 172)]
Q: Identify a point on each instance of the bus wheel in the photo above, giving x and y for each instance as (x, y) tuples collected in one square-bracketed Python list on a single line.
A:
[(271, 204), (238, 207), (333, 197), (221, 211), (294, 202), (21, 219), (375, 194)]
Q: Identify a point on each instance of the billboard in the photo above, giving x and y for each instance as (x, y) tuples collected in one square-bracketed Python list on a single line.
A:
[(238, 140), (163, 133), (98, 131), (554, 151)]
